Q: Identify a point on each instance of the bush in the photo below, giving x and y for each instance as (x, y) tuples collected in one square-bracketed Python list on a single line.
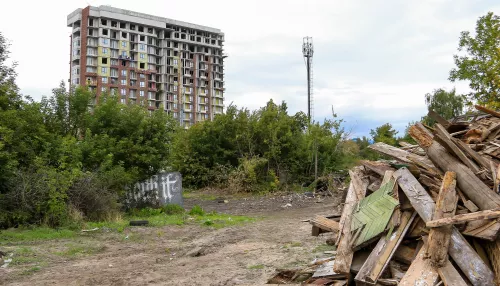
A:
[(36, 196), (197, 210)]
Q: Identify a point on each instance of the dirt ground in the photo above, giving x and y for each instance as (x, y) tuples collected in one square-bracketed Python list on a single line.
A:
[(191, 254)]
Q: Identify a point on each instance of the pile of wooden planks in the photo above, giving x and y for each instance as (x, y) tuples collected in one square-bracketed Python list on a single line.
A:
[(429, 215)]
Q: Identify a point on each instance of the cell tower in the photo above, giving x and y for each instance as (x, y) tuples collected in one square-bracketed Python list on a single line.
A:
[(308, 51)]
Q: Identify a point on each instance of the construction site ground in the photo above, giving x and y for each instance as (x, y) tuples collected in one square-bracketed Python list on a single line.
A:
[(190, 254)]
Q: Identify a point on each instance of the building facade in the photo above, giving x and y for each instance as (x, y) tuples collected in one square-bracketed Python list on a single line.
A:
[(149, 60)]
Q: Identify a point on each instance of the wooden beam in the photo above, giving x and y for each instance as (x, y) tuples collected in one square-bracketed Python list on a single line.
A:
[(325, 223), (382, 253), (378, 167), (487, 110), (450, 276), (460, 250), (421, 272), (439, 119), (467, 181), (474, 155), (344, 256), (401, 155), (439, 238), (458, 219), (445, 138)]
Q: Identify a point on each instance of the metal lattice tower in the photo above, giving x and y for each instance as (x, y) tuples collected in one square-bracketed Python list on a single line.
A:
[(308, 51)]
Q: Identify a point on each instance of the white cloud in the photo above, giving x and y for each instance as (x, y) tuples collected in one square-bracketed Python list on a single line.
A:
[(373, 62)]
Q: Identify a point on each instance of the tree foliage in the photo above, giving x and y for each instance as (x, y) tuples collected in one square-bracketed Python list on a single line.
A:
[(446, 103), (385, 133), (480, 62), (59, 158), (259, 150)]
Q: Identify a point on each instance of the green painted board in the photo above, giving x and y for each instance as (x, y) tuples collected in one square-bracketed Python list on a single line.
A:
[(373, 213)]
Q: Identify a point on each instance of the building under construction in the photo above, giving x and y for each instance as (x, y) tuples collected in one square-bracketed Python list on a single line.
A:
[(149, 60)]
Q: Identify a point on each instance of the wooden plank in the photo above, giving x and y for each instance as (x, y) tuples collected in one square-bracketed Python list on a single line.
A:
[(438, 118), (401, 155), (421, 272), (458, 219), (396, 216), (450, 276), (404, 254), (439, 238), (481, 251), (360, 184), (344, 256), (460, 250), (467, 181), (487, 110), (373, 214), (378, 167), (478, 158), (494, 255), (445, 140), (383, 252), (325, 223)]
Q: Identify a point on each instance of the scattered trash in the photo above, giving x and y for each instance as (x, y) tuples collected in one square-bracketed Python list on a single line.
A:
[(139, 222), (287, 205), (7, 261), (89, 230)]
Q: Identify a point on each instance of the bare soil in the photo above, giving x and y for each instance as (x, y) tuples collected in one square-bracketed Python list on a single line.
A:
[(191, 254)]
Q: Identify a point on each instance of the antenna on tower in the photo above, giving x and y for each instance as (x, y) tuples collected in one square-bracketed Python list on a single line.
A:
[(308, 51)]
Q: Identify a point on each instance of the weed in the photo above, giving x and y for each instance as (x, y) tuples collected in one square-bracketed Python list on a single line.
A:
[(323, 248), (31, 270), (75, 250), (256, 266), (197, 210), (172, 209), (296, 244)]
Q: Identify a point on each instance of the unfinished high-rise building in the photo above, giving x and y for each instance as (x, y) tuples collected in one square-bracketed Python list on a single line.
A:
[(149, 60)]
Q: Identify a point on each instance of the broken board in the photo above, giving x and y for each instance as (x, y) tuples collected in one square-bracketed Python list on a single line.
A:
[(371, 216)]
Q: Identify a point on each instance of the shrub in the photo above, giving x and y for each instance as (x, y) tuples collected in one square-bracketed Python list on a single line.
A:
[(197, 210)]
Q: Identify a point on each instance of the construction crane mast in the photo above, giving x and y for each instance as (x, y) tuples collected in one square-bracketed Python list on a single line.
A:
[(308, 51)]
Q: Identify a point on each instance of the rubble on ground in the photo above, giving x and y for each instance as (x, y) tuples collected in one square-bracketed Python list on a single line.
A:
[(428, 215)]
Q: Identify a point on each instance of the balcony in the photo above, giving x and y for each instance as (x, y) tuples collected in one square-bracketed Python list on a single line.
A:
[(91, 83)]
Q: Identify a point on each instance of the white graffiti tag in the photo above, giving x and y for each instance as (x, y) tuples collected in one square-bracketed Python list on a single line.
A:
[(167, 183)]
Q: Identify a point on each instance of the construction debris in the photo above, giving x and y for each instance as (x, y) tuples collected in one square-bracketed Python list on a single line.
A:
[(428, 216)]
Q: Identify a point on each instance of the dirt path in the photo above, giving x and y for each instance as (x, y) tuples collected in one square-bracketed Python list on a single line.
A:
[(191, 254)]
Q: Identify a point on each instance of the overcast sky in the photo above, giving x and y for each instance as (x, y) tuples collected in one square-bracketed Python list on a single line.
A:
[(373, 61)]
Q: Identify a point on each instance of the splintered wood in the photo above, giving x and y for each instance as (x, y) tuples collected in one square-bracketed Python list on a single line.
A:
[(439, 238), (344, 256), (404, 220)]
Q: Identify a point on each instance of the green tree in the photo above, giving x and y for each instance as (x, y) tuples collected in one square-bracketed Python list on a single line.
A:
[(384, 133), (481, 61), (446, 103)]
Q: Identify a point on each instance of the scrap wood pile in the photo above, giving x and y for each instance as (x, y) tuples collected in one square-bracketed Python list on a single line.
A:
[(428, 216)]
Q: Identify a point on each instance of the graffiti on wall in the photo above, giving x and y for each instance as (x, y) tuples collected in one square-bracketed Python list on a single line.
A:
[(166, 187)]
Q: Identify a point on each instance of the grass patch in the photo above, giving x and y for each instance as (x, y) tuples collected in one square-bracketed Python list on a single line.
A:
[(19, 235), (156, 217), (31, 270), (324, 247), (200, 196), (256, 266), (76, 250)]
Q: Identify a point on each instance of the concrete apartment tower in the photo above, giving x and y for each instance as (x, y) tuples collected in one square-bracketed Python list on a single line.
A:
[(149, 60)]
